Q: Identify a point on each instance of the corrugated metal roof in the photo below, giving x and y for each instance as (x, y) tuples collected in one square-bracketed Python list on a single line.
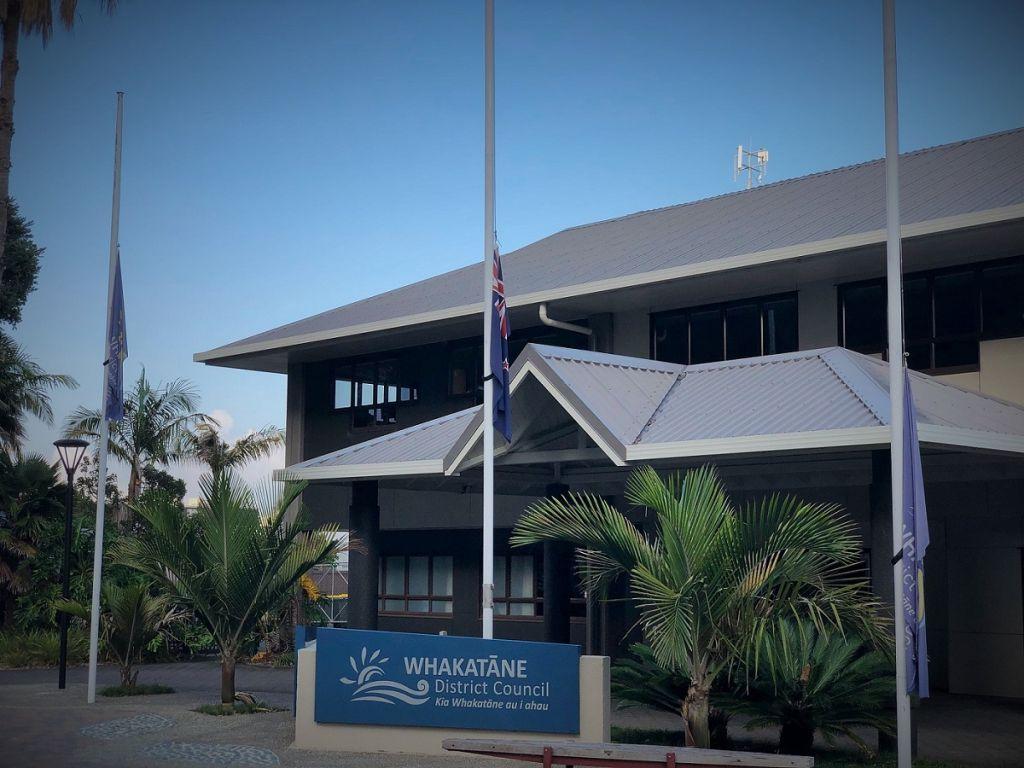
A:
[(649, 410), (419, 449), (954, 179)]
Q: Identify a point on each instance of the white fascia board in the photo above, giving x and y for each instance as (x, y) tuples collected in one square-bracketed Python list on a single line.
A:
[(455, 466), (970, 438), (825, 438), (530, 369), (362, 471), (874, 237), (609, 451)]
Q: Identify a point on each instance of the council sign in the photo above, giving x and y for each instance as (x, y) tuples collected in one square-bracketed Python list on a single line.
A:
[(401, 678)]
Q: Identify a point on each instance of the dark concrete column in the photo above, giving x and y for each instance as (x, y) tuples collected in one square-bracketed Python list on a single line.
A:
[(558, 576), (363, 574)]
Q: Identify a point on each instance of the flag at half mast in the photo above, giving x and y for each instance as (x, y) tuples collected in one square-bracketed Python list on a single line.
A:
[(915, 542), (502, 416), (117, 351)]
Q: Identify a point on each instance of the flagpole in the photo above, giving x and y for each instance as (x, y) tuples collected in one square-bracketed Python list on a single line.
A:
[(487, 592), (894, 283), (101, 486)]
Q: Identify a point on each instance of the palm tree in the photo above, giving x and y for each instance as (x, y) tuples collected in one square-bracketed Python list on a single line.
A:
[(713, 578), (234, 560), (131, 616), (219, 456), (808, 679), (24, 389), (18, 17), (157, 427), (29, 499)]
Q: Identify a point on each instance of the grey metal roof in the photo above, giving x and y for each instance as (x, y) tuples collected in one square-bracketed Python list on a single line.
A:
[(640, 410), (419, 449), (842, 206)]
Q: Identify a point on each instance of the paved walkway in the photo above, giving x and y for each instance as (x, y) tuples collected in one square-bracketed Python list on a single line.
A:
[(40, 725)]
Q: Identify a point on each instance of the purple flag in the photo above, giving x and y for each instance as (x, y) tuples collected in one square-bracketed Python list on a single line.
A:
[(915, 542), (502, 416), (117, 351)]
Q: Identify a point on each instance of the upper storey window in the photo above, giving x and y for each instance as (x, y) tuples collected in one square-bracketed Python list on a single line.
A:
[(946, 313), (373, 391), (727, 331)]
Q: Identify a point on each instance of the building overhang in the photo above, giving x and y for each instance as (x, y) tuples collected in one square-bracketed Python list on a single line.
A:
[(588, 409)]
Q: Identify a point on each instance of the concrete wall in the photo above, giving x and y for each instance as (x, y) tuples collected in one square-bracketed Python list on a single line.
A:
[(595, 718)]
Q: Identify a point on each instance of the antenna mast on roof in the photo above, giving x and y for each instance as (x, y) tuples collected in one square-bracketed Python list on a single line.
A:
[(754, 163)]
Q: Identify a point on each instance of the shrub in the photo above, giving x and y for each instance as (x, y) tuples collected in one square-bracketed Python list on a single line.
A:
[(806, 680), (238, 708), (41, 648), (117, 691)]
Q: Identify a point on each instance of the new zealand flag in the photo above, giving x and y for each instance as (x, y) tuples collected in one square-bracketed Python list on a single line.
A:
[(502, 416)]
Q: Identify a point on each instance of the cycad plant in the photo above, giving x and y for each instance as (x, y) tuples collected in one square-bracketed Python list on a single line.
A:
[(808, 679), (235, 559), (711, 578), (130, 617)]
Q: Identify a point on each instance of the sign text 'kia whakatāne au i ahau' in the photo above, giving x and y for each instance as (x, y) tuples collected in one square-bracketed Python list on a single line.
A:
[(400, 678)]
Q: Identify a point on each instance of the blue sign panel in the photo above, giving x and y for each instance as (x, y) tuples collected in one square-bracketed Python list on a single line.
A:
[(400, 678)]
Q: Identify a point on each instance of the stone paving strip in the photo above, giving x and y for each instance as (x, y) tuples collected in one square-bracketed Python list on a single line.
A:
[(127, 726), (212, 754)]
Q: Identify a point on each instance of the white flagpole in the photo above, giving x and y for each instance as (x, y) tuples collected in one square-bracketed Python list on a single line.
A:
[(101, 495), (488, 428), (894, 282)]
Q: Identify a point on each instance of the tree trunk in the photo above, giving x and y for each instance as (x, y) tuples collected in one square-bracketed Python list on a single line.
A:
[(227, 678), (8, 75), (696, 712), (134, 484), (796, 739)]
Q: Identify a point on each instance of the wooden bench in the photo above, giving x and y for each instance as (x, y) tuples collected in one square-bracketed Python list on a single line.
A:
[(572, 753)]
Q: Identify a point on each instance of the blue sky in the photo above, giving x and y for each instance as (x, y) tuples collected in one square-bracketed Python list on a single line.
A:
[(280, 164)]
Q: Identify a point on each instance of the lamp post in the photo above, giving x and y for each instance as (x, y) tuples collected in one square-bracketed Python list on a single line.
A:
[(71, 452)]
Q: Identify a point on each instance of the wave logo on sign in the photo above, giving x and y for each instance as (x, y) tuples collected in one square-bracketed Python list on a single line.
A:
[(372, 686)]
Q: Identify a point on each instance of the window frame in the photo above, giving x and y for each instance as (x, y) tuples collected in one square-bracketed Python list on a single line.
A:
[(980, 334), (722, 307), (577, 598), (347, 372), (430, 598)]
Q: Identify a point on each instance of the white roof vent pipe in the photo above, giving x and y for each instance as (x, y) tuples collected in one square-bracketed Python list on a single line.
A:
[(551, 323)]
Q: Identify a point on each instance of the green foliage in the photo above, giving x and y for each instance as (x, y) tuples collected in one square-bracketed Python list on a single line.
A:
[(31, 507), (237, 708), (805, 680), (234, 560), (41, 648), (155, 480), (713, 578), (20, 265), (638, 680), (130, 617), (153, 689), (24, 391), (220, 456), (157, 427)]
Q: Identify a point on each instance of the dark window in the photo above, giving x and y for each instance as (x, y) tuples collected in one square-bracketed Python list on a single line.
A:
[(519, 588), (373, 391), (517, 585), (466, 357), (416, 584), (1002, 300), (748, 328), (780, 324), (945, 313), (465, 370)]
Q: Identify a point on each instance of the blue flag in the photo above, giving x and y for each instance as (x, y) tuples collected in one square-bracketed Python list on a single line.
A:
[(117, 351), (502, 416), (915, 542)]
